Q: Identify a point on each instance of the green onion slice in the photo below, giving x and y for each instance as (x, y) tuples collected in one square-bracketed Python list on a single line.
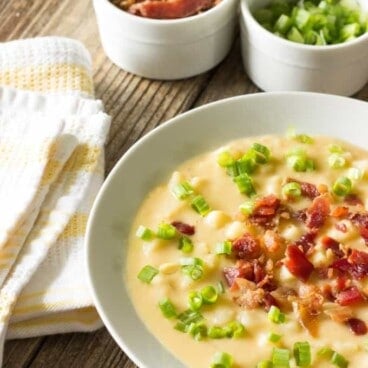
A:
[(145, 233), (225, 159), (166, 231), (302, 354), (235, 329), (223, 247), (342, 186), (275, 315), (195, 300), (273, 337), (217, 332), (200, 205), (183, 190), (167, 308), (147, 274), (260, 153), (338, 360), (280, 358), (265, 364), (247, 207), (185, 244), (198, 330), (209, 294), (292, 190), (336, 161), (222, 360), (245, 184)]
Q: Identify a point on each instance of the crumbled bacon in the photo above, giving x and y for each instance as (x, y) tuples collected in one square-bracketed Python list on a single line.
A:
[(306, 241), (353, 200), (349, 296), (243, 269), (330, 243), (269, 301), (308, 189), (340, 212), (246, 247), (247, 295), (357, 326), (297, 263), (183, 228), (338, 313), (360, 220), (265, 210), (300, 215), (318, 212), (274, 244), (171, 9), (356, 264)]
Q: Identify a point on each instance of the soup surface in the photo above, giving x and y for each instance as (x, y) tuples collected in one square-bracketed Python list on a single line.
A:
[(257, 250)]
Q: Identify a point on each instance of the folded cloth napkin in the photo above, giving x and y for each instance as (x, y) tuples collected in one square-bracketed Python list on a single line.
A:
[(52, 134)]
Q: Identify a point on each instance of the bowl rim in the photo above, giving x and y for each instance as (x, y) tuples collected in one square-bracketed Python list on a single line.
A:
[(247, 14), (164, 22), (98, 303)]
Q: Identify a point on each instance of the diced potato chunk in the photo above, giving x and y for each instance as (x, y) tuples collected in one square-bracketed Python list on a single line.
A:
[(217, 219), (169, 268), (234, 230), (291, 233)]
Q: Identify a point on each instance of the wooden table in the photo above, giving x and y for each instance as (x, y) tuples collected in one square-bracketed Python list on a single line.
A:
[(136, 105)]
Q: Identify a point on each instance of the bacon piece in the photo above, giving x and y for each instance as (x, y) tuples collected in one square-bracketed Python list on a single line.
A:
[(243, 269), (183, 228), (306, 241), (334, 245), (357, 326), (247, 295), (308, 189), (360, 220), (356, 264), (338, 313), (340, 212), (284, 296), (274, 244), (300, 215), (353, 200), (318, 212), (171, 9), (297, 263), (349, 296), (265, 210), (246, 247), (269, 301)]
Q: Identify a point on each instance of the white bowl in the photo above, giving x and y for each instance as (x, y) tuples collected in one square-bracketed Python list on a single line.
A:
[(276, 64), (150, 162), (166, 49)]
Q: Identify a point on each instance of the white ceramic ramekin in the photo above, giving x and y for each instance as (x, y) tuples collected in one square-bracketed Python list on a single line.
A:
[(276, 64), (166, 49)]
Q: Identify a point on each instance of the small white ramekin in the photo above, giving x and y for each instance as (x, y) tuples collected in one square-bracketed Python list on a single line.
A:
[(276, 64), (166, 49)]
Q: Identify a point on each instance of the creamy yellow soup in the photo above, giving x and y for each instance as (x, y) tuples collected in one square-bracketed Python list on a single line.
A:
[(307, 186)]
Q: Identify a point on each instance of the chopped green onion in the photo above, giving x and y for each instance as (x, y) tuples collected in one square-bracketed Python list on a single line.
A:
[(190, 316), (191, 261), (275, 315), (223, 247), (183, 190), (265, 364), (222, 360), (325, 353), (302, 354), (260, 153), (147, 274), (342, 186), (299, 162), (245, 184), (225, 159), (216, 332), (247, 207), (167, 308), (280, 358), (335, 148), (283, 24), (198, 330), (220, 287), (273, 337), (292, 190), (145, 233), (200, 205), (166, 231), (192, 267), (338, 360), (295, 36), (336, 161), (185, 244), (209, 294), (235, 329), (245, 165), (304, 138), (195, 300)]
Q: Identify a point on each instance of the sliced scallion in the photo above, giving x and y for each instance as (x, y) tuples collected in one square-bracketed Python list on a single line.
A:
[(235, 329), (302, 354), (265, 364), (247, 207), (339, 360), (195, 300), (280, 358), (275, 315), (260, 153), (209, 294), (167, 308), (222, 360), (273, 337), (342, 186), (223, 247), (183, 190), (292, 190), (185, 244), (245, 184), (200, 205), (336, 161), (166, 231), (216, 332), (145, 233), (198, 330), (147, 274), (225, 159)]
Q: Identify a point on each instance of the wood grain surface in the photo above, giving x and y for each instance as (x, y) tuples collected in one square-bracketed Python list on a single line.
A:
[(136, 105)]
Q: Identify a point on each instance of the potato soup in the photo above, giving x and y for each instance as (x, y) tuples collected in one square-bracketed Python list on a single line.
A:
[(255, 255)]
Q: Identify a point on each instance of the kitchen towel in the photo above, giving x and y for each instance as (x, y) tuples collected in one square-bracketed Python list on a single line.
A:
[(52, 135)]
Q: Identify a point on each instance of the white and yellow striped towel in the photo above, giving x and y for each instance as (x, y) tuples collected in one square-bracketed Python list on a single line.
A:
[(52, 134)]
